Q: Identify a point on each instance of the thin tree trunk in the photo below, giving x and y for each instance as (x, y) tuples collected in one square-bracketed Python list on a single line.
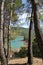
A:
[(30, 53), (9, 24), (0, 21), (8, 45), (3, 58), (3, 33)]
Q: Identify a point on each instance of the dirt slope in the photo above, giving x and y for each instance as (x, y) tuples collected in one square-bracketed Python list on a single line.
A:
[(36, 61)]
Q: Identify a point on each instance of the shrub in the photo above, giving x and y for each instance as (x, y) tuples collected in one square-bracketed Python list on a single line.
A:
[(23, 52)]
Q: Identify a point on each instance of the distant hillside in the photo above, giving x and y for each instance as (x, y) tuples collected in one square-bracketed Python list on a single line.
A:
[(19, 31)]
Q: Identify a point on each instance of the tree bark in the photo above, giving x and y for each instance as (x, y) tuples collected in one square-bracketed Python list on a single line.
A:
[(8, 45), (38, 33), (30, 53), (3, 58), (0, 26)]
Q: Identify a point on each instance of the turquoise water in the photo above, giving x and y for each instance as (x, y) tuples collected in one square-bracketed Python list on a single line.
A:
[(19, 38), (16, 44)]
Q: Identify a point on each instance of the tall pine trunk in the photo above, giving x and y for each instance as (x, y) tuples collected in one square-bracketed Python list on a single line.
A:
[(11, 12), (0, 27), (3, 58), (8, 44)]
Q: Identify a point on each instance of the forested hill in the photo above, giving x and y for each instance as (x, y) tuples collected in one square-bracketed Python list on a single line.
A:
[(19, 31)]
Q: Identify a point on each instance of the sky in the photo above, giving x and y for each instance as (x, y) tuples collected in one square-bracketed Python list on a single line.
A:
[(25, 15), (24, 1), (22, 18)]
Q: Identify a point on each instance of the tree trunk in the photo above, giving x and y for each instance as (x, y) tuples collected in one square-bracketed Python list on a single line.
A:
[(11, 12), (38, 33), (30, 53), (3, 58), (8, 45), (0, 26)]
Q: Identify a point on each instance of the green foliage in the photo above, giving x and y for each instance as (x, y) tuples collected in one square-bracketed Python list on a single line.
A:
[(18, 3), (36, 51), (14, 17), (9, 6), (22, 53), (41, 17), (34, 40)]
